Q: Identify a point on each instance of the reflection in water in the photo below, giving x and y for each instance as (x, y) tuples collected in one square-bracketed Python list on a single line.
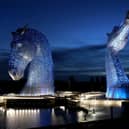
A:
[(17, 118), (81, 116), (2, 118), (28, 118)]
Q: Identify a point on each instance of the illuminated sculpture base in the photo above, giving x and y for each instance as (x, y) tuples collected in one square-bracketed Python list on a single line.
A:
[(117, 93), (36, 91), (117, 80)]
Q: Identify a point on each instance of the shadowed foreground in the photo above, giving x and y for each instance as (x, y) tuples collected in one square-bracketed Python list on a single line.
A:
[(117, 123)]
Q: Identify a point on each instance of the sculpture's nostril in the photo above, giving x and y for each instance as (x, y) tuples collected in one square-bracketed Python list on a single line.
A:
[(12, 74)]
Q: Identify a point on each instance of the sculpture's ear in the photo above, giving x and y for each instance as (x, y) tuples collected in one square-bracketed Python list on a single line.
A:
[(108, 34), (24, 29), (127, 15), (20, 31), (115, 29)]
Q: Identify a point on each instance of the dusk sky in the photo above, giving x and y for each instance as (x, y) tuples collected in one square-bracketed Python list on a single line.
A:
[(73, 24), (66, 23)]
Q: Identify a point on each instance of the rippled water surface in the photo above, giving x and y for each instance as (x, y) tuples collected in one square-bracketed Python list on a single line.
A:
[(27, 118)]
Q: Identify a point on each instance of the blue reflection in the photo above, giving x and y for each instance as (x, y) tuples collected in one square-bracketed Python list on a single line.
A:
[(45, 117)]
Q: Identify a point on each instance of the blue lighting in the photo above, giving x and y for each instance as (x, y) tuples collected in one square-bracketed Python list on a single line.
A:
[(118, 93), (30, 49), (117, 81)]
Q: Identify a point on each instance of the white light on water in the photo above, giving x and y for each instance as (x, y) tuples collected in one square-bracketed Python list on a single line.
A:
[(17, 117), (62, 107), (2, 109)]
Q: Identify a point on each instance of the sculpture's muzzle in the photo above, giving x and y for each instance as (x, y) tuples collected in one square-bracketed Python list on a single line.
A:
[(17, 66), (15, 75)]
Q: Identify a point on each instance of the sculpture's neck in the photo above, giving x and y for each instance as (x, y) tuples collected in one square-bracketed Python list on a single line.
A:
[(41, 70), (115, 73), (40, 77)]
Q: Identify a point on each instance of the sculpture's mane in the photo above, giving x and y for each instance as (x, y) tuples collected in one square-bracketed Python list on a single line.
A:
[(113, 33)]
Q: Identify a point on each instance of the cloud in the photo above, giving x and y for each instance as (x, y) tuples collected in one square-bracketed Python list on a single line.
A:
[(86, 60)]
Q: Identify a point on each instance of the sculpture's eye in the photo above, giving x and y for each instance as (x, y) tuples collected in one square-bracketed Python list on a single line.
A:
[(19, 45)]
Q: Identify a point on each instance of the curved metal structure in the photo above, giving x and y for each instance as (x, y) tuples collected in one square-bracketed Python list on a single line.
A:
[(117, 80), (30, 50)]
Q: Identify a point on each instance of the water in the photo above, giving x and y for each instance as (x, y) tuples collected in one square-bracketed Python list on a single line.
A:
[(29, 118)]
